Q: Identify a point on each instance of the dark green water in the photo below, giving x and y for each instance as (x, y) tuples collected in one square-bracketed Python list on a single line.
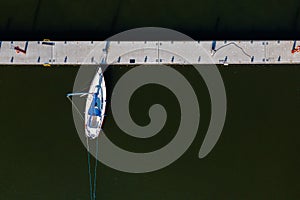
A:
[(256, 157)]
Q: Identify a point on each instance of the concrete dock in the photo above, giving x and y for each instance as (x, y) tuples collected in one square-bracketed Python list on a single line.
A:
[(151, 52)]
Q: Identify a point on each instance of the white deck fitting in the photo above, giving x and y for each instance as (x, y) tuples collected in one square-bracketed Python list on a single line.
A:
[(151, 52)]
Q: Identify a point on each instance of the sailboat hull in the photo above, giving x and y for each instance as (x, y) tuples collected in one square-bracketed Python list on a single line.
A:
[(95, 106)]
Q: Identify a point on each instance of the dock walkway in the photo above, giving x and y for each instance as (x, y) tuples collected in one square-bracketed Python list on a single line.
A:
[(151, 52)]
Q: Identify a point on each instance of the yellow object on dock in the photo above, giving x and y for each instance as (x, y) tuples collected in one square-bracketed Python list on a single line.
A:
[(46, 65)]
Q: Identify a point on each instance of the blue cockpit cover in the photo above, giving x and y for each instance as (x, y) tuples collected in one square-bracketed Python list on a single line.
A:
[(94, 108)]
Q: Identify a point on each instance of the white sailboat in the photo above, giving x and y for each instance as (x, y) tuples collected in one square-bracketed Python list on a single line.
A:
[(95, 105)]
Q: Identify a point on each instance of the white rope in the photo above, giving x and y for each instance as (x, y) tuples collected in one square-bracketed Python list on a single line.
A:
[(76, 108)]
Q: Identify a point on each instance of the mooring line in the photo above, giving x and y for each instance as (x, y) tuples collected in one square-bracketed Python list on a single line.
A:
[(89, 168), (91, 178), (215, 51)]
